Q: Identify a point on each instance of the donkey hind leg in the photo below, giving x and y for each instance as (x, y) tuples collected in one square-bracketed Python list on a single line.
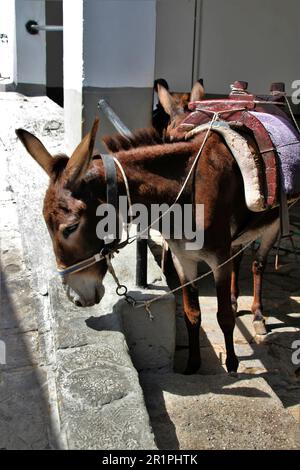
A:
[(187, 270), (236, 262), (225, 315), (267, 241)]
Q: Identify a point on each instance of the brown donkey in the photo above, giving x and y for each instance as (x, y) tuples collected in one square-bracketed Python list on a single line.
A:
[(175, 133), (155, 173)]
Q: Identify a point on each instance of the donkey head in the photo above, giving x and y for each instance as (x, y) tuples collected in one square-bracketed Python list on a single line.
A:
[(70, 214), (175, 105)]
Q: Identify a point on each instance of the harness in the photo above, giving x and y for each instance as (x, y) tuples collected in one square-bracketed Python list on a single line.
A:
[(110, 171)]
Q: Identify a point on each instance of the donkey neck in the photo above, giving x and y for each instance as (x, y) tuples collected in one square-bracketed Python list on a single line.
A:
[(155, 173)]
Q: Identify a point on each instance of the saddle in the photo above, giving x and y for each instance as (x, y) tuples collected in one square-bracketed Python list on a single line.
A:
[(264, 119), (248, 113)]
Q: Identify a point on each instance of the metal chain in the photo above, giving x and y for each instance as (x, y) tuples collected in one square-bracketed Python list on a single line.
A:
[(121, 289)]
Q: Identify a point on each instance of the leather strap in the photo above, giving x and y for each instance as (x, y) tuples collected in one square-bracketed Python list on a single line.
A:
[(284, 214), (111, 190)]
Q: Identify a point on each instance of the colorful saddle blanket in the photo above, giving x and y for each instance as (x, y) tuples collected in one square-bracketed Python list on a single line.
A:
[(278, 163), (286, 141)]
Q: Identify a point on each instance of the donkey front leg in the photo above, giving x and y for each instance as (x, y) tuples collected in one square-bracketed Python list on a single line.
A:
[(226, 315), (192, 316), (187, 271)]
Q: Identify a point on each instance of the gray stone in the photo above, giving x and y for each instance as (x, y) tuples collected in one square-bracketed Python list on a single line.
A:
[(21, 349), (23, 410), (18, 305), (102, 406)]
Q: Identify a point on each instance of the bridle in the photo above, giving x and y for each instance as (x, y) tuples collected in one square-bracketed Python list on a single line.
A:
[(110, 164)]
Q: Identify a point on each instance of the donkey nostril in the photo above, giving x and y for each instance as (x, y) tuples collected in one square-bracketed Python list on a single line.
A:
[(78, 303)]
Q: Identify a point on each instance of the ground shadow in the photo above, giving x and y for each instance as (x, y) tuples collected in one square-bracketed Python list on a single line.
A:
[(24, 405)]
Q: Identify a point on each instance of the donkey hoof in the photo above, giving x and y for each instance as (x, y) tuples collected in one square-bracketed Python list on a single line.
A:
[(192, 368), (233, 374), (260, 327), (232, 364), (234, 306)]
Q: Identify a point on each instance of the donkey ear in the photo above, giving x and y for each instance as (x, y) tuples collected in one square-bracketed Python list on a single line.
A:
[(167, 101), (36, 149), (197, 93), (79, 161)]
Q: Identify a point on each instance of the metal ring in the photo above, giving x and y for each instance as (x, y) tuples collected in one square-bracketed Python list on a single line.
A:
[(119, 288), (29, 27)]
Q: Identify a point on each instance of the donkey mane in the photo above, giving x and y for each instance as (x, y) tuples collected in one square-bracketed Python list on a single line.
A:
[(141, 138)]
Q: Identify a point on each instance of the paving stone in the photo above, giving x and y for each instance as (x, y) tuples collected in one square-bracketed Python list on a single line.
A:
[(18, 305), (265, 357), (122, 427), (99, 390), (21, 349)]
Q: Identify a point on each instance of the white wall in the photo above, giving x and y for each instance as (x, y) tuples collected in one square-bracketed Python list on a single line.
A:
[(73, 71), (175, 43), (31, 49), (257, 41), (119, 43), (8, 49)]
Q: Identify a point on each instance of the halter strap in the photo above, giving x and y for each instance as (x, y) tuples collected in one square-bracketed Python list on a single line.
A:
[(110, 172)]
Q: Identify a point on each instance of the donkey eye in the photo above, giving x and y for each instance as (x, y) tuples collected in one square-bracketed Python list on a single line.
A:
[(70, 229)]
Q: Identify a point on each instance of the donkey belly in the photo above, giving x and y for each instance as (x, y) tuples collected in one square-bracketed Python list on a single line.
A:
[(262, 225), (256, 227)]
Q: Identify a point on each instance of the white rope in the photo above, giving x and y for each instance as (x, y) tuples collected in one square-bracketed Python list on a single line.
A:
[(215, 117), (146, 304), (291, 113)]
